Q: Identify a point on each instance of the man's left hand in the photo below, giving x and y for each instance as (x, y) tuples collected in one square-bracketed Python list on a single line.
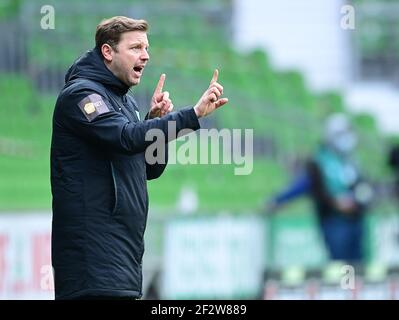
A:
[(160, 102)]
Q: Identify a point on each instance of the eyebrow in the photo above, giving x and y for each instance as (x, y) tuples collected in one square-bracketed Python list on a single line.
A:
[(138, 43)]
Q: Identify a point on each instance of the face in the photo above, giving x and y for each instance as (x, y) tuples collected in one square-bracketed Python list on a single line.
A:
[(128, 62), (345, 142)]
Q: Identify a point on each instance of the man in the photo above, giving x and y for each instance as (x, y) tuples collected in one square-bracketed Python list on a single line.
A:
[(339, 194), (98, 165)]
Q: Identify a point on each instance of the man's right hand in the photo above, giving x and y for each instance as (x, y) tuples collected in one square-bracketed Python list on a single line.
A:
[(160, 103), (210, 101)]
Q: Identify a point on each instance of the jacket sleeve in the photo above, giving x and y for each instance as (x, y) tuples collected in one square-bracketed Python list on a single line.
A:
[(299, 186), (155, 170), (106, 127)]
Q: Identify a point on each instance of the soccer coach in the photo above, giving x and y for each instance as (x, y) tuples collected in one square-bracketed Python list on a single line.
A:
[(98, 169)]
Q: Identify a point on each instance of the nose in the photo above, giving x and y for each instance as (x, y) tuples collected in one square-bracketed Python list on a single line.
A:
[(145, 55)]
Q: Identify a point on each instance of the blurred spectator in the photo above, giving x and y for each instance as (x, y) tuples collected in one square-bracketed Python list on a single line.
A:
[(393, 162), (339, 194)]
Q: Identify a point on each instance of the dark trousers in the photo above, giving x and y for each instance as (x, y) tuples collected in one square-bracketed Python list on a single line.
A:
[(343, 237)]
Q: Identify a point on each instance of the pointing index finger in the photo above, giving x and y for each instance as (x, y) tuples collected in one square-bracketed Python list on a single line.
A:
[(215, 76), (161, 81)]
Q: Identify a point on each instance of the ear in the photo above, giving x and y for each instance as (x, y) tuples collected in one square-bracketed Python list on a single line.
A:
[(107, 52)]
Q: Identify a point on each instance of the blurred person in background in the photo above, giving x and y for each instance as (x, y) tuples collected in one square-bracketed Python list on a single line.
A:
[(339, 194), (393, 162), (99, 171)]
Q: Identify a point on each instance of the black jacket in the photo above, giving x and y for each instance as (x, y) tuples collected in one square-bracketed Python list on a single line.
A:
[(98, 181)]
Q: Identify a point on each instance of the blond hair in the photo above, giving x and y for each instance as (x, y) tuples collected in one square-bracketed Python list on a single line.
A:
[(110, 30)]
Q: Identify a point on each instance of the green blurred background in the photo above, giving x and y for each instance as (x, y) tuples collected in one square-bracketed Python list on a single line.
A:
[(276, 104), (188, 39)]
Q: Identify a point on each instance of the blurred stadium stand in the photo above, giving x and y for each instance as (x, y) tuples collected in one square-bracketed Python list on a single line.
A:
[(188, 39)]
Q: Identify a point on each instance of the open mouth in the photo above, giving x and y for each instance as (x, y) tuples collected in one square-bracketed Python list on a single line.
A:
[(138, 70)]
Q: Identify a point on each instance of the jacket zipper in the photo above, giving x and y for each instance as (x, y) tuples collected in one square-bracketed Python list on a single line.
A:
[(115, 189)]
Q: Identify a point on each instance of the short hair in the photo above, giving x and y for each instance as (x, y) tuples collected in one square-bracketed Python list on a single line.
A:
[(110, 30)]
